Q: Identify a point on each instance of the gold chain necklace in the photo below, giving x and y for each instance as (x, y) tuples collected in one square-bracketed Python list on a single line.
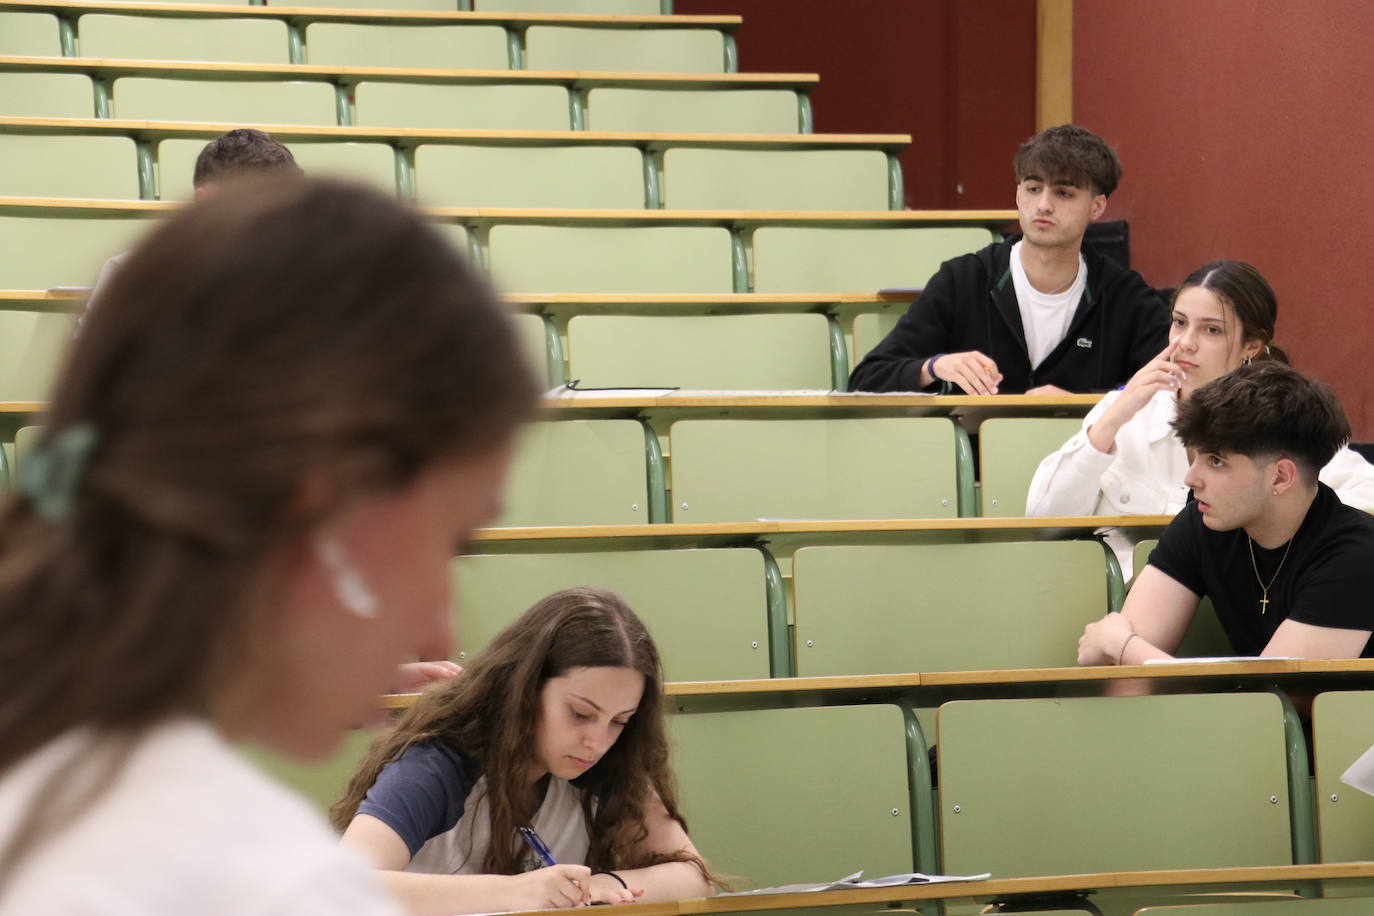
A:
[(1264, 589)]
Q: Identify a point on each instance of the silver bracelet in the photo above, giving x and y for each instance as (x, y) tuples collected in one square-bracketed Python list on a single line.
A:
[(1122, 654)]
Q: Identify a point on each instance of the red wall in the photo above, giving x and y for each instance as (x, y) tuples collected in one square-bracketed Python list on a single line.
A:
[(1245, 130), (959, 77)]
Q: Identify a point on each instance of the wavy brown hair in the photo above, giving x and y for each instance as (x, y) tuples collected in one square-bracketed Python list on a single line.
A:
[(1242, 287), (490, 711), (270, 335)]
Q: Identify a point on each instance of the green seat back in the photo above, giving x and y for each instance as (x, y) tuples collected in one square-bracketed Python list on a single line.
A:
[(457, 236), (320, 782), (748, 352), (586, 177), (486, 107), (643, 259), (740, 470), (618, 7), (372, 164), (744, 179), (578, 472), (445, 47), (1104, 784), (46, 95), (1205, 637), (534, 343), (29, 35), (896, 609), (32, 345), (777, 796), (550, 47), (68, 166), (707, 609), (720, 111), (792, 259), (40, 252), (1349, 906), (225, 101), (249, 41), (869, 330), (1342, 730), (1011, 448)]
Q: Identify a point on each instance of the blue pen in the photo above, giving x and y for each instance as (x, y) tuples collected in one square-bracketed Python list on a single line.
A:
[(535, 843)]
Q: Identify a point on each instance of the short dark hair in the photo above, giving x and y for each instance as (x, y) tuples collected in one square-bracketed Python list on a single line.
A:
[(1265, 409), (1072, 154), (243, 150)]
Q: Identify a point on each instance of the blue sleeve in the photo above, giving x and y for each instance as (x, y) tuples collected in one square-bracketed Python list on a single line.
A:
[(420, 794)]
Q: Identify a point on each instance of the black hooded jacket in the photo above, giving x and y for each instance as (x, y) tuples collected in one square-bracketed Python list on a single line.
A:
[(970, 304)]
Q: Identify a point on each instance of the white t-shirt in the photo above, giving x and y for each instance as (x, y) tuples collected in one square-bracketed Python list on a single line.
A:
[(187, 826), (1045, 318)]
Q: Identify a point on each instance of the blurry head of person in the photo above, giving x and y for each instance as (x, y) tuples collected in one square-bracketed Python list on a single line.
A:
[(1223, 316), (259, 459), (242, 153), (1064, 176), (1254, 435), (572, 688)]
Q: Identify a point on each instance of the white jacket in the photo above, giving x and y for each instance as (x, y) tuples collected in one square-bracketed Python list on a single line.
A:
[(1144, 476)]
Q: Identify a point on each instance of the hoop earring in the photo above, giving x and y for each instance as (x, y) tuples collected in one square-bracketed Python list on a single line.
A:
[(349, 586), (1245, 361)]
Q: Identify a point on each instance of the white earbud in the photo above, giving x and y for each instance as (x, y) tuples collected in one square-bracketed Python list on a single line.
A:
[(349, 585)]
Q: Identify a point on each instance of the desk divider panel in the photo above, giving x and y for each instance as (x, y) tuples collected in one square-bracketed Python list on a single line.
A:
[(778, 796), (944, 607), (708, 610), (1088, 784)]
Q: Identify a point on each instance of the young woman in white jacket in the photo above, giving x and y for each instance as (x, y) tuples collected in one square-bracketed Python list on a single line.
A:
[(1125, 460)]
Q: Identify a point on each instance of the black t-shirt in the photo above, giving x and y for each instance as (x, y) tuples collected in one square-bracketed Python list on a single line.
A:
[(1326, 581)]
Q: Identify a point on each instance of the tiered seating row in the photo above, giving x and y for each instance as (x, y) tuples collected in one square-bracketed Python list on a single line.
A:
[(312, 94), (1215, 780), (440, 38), (131, 159)]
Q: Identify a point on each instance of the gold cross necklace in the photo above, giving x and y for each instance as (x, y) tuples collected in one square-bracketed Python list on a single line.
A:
[(1264, 589)]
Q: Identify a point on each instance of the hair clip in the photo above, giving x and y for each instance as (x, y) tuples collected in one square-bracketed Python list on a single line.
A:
[(50, 473)]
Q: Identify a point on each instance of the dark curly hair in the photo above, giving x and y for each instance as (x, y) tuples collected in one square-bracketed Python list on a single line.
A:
[(1265, 410)]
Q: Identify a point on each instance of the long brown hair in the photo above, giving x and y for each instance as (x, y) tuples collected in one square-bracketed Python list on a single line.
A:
[(489, 713), (269, 334)]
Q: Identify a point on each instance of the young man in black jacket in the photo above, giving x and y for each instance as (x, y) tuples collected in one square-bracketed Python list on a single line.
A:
[(1034, 314)]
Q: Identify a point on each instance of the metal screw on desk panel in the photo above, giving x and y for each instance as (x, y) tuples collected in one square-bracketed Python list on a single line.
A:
[(994, 502), (754, 644), (1273, 799), (1334, 797), (895, 812), (462, 655), (957, 809), (944, 502), (634, 507), (684, 505), (810, 643)]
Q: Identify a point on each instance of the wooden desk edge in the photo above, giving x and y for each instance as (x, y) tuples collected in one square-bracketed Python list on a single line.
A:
[(897, 682), (1001, 887)]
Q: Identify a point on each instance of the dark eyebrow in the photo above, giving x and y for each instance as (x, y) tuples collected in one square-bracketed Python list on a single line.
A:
[(1216, 321), (598, 708)]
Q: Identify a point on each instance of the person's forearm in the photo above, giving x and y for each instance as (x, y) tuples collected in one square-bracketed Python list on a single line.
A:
[(440, 895), (668, 881), (1138, 650)]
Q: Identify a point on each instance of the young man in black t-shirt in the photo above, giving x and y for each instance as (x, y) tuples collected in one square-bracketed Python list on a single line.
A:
[(1289, 569)]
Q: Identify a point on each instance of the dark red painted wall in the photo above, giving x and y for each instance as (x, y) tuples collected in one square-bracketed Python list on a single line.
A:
[(959, 77), (1246, 129)]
